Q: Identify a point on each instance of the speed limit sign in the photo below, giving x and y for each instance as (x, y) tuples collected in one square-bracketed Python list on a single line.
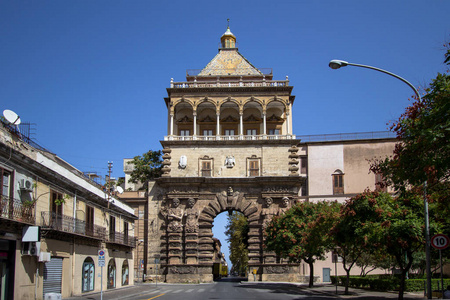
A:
[(440, 241)]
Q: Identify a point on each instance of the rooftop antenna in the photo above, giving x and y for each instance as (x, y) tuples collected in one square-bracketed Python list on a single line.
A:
[(110, 165), (12, 119)]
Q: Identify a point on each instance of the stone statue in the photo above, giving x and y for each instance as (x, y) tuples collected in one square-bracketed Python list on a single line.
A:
[(174, 216), (268, 211), (191, 215), (284, 206)]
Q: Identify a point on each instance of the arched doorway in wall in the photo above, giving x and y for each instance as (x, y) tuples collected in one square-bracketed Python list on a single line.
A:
[(125, 273), (230, 237), (88, 277), (188, 216), (111, 274)]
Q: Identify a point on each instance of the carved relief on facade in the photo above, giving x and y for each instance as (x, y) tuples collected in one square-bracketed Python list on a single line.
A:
[(230, 161), (277, 270), (174, 217), (277, 189), (191, 215), (268, 211), (229, 199), (182, 270), (284, 206)]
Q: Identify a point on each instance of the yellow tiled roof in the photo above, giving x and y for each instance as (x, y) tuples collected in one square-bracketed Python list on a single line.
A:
[(229, 62)]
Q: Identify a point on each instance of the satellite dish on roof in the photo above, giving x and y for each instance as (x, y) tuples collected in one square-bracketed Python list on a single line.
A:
[(11, 117), (119, 189)]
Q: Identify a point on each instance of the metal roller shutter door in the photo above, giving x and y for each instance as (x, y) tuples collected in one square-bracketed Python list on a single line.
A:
[(53, 276)]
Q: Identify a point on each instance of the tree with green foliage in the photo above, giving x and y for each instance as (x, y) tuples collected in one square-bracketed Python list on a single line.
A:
[(237, 236), (351, 233), (393, 225), (422, 154), (302, 233), (146, 167), (377, 259)]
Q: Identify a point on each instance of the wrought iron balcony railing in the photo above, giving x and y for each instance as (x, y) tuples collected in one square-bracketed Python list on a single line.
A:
[(122, 239), (51, 220), (16, 210)]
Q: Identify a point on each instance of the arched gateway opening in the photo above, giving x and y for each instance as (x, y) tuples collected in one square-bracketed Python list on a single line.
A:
[(187, 244)]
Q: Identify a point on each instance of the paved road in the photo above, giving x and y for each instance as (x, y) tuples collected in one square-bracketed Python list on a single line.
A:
[(229, 289)]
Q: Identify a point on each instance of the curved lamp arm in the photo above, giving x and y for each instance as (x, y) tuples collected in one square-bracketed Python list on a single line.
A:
[(336, 64)]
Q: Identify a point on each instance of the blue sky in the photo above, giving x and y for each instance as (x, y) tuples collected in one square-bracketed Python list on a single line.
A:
[(93, 74)]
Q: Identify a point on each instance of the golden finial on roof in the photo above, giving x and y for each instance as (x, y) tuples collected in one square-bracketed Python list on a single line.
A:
[(228, 39)]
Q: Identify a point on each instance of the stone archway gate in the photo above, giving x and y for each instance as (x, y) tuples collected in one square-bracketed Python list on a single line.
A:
[(186, 208)]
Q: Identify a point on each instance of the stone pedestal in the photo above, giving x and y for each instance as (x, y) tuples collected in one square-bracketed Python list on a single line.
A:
[(175, 248), (191, 248)]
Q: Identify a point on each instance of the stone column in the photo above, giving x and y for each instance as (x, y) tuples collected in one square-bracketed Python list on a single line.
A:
[(264, 123), (195, 125), (218, 124), (241, 123), (171, 124), (254, 251)]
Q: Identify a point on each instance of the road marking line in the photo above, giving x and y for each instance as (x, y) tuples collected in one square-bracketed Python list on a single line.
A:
[(188, 291), (156, 297), (177, 291)]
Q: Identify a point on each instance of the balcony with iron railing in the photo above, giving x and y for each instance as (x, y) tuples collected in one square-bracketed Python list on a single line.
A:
[(62, 223), (16, 210), (121, 239)]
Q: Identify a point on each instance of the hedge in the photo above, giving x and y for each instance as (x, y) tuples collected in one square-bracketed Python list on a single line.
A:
[(388, 283)]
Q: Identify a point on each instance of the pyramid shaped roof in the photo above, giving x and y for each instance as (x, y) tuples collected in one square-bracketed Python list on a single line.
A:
[(229, 62)]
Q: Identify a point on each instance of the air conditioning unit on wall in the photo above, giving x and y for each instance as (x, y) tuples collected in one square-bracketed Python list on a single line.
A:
[(31, 248), (26, 185)]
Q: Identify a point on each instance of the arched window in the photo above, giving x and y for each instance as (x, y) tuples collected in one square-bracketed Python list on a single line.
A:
[(88, 275), (111, 274), (125, 273), (338, 182)]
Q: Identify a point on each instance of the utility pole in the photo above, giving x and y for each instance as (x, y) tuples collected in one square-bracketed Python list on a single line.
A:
[(110, 165)]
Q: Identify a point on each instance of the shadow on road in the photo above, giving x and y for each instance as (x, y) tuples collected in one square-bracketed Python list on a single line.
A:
[(232, 279), (320, 292)]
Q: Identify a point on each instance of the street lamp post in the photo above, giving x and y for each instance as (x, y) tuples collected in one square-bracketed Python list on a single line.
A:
[(336, 64)]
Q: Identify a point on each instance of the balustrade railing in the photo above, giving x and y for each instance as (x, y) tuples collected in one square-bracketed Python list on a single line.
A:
[(261, 83), (16, 210), (51, 220), (228, 137), (304, 138)]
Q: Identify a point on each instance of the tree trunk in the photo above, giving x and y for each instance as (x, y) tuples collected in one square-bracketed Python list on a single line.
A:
[(401, 288), (311, 274), (347, 281)]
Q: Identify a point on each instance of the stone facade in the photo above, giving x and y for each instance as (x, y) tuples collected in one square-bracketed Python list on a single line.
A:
[(230, 147)]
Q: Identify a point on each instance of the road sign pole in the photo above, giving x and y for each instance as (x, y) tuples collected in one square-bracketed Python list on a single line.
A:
[(442, 279), (101, 264), (101, 283)]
